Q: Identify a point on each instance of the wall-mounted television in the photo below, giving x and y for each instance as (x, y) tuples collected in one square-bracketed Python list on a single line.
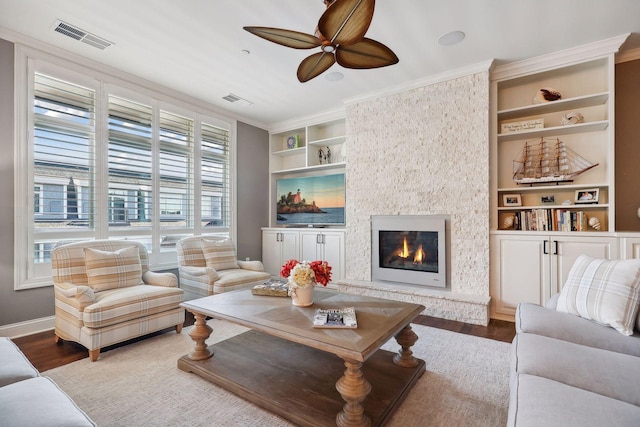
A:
[(310, 200)]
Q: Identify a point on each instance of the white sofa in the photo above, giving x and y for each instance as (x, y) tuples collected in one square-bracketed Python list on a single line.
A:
[(28, 399), (572, 362), (105, 294), (208, 265)]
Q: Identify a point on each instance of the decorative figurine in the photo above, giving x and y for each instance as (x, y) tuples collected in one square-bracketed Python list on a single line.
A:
[(320, 156), (328, 155)]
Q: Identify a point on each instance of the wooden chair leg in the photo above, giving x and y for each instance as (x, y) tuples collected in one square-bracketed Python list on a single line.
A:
[(57, 339), (179, 328), (94, 354)]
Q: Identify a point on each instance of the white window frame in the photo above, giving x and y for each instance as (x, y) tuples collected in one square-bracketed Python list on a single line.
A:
[(29, 274)]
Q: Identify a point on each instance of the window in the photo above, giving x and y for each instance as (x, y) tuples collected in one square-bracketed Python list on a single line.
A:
[(133, 177)]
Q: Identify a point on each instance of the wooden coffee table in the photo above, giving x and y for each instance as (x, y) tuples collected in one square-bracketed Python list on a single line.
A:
[(290, 368)]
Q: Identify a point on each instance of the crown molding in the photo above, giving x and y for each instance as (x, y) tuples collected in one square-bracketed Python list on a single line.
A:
[(628, 55), (480, 67), (560, 58), (310, 120)]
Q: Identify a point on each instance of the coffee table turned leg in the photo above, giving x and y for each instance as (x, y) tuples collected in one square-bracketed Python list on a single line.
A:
[(199, 334), (353, 388), (406, 338)]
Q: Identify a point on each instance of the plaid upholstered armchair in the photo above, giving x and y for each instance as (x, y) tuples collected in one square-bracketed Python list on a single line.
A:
[(208, 265), (105, 294)]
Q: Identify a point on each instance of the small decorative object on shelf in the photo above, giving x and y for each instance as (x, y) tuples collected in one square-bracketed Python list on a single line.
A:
[(594, 223), (587, 196), (335, 318), (546, 94), (509, 222), (328, 155), (273, 288), (522, 126), (320, 156), (571, 118), (292, 141), (303, 276), (512, 200)]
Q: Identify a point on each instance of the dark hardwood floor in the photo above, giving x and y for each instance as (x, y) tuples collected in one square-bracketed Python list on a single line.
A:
[(45, 354)]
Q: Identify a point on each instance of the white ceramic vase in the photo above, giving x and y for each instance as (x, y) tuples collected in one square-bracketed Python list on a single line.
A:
[(301, 296)]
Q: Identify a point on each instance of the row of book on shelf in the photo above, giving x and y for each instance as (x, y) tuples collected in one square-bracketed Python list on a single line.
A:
[(550, 220)]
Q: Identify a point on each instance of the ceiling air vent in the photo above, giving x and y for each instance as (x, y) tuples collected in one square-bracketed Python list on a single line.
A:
[(235, 98), (81, 35)]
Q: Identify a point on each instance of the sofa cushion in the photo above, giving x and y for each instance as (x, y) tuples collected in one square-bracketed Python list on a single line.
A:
[(112, 270), (15, 366), (604, 372), (537, 401), (534, 319), (39, 402), (219, 254), (116, 306), (605, 291)]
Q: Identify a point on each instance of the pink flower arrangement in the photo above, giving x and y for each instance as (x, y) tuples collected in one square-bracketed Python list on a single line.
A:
[(307, 273)]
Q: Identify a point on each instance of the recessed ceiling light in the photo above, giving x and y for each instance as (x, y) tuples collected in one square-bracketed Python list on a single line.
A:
[(451, 38), (334, 76)]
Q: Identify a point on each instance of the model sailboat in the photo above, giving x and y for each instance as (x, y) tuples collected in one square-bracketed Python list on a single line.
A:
[(548, 161)]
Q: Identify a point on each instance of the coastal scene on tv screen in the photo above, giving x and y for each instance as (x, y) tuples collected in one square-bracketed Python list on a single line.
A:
[(310, 200)]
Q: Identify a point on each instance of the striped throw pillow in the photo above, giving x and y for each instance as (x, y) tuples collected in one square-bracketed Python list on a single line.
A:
[(607, 292), (219, 254), (111, 270)]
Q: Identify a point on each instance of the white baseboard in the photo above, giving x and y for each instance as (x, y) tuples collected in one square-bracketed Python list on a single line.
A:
[(29, 327)]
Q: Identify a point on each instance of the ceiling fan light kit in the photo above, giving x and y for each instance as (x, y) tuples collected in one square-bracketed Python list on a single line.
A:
[(341, 37)]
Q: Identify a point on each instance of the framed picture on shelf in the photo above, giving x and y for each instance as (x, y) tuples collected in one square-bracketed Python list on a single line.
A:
[(590, 195), (547, 199), (511, 200)]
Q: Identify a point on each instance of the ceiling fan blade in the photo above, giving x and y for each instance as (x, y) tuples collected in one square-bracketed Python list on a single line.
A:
[(315, 65), (365, 54), (345, 22), (287, 38)]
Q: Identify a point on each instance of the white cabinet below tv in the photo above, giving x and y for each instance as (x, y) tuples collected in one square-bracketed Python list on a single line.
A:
[(310, 244)]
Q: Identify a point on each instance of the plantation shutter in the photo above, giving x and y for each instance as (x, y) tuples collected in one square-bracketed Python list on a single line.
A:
[(215, 177), (176, 171), (63, 162), (130, 165)]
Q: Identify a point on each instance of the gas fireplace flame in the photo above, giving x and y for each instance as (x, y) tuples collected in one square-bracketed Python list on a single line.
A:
[(404, 252), (419, 256)]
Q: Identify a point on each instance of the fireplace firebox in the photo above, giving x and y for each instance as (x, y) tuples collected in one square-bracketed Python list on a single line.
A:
[(410, 249)]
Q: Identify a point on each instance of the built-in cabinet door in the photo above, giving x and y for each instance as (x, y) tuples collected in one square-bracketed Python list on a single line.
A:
[(519, 272), (532, 268), (278, 247), (630, 247), (566, 249), (326, 246)]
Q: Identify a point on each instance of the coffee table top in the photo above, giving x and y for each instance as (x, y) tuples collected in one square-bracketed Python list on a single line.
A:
[(378, 319)]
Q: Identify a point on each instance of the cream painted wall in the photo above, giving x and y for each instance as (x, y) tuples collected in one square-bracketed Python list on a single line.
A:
[(424, 151)]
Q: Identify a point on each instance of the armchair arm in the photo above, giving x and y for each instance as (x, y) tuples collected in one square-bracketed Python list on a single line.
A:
[(168, 280), (200, 273), (84, 295), (251, 265)]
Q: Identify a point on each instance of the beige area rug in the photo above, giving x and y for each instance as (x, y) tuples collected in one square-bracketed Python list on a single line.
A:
[(466, 384)]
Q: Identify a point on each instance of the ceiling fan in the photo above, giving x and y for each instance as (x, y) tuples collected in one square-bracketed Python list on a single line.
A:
[(340, 36)]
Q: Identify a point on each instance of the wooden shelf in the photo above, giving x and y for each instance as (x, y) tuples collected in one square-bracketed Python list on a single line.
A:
[(571, 206), (555, 106), (555, 131), (329, 141)]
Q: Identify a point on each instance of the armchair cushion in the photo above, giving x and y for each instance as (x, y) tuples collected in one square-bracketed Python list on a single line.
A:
[(120, 305), (112, 270), (251, 265), (607, 292), (219, 254)]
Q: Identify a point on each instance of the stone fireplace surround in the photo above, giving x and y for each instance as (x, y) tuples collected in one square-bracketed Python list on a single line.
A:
[(423, 151)]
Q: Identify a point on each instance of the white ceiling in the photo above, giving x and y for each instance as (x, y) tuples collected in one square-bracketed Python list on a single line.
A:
[(195, 46)]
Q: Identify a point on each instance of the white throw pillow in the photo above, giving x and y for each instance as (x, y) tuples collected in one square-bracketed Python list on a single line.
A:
[(605, 291), (219, 254), (111, 270)]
